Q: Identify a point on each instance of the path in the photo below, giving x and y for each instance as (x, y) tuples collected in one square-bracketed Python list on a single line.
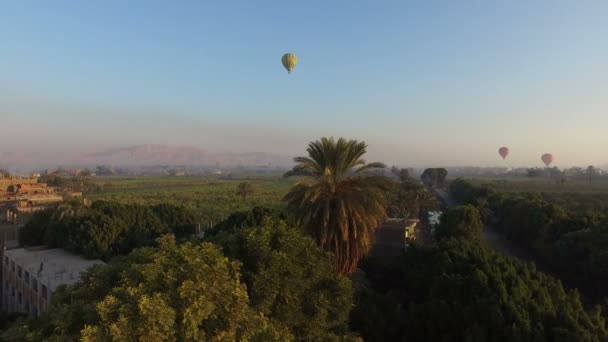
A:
[(497, 240)]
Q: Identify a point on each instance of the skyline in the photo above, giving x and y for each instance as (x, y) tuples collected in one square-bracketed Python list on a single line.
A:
[(424, 84)]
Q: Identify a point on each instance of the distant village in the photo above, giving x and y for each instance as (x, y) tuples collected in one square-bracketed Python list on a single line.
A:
[(21, 196)]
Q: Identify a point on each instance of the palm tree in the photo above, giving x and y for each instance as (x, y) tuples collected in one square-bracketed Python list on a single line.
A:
[(338, 200)]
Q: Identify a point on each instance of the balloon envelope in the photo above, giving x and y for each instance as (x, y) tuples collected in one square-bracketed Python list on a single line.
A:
[(547, 158), (503, 151), (289, 61)]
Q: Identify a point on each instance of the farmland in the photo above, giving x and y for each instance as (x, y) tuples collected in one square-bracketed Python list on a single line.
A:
[(210, 198)]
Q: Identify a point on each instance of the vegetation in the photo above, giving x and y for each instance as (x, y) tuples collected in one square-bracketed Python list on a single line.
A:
[(408, 198), (338, 200), (276, 285), (460, 222), (272, 272), (434, 177), (571, 242), (460, 290), (244, 189), (209, 199), (105, 229), (291, 281)]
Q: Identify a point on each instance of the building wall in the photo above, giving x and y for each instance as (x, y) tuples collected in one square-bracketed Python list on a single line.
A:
[(29, 276), (21, 291), (6, 182)]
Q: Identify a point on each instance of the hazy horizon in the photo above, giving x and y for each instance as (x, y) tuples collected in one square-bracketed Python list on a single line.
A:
[(424, 84)]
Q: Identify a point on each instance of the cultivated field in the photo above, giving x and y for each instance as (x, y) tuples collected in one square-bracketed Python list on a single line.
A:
[(210, 198)]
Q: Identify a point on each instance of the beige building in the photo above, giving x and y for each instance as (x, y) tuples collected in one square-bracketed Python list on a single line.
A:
[(20, 197), (29, 277)]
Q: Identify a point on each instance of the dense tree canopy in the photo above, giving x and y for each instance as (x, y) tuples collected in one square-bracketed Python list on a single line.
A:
[(572, 242), (459, 291), (276, 284), (460, 222), (408, 197), (105, 229), (337, 200), (186, 292), (246, 219), (292, 281)]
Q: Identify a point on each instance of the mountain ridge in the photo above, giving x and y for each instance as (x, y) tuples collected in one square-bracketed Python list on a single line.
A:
[(146, 155)]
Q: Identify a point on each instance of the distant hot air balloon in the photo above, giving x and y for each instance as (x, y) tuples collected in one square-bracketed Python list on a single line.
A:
[(547, 158), (503, 151), (289, 61)]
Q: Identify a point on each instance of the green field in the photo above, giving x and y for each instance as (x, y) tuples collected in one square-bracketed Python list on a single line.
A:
[(210, 198)]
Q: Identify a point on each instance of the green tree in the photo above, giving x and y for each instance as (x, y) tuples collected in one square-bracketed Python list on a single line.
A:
[(244, 189), (434, 177), (409, 197), (460, 222), (104, 170), (186, 292), (591, 172), (33, 232), (177, 219), (401, 174), (292, 281), (245, 219), (337, 200), (461, 291)]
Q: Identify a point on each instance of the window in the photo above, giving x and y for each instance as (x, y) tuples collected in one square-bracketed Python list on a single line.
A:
[(13, 266), (6, 260), (35, 284), (19, 271), (19, 298), (44, 294), (13, 291), (27, 277)]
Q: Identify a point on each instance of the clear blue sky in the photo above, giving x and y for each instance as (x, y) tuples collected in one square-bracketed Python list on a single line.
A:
[(424, 83)]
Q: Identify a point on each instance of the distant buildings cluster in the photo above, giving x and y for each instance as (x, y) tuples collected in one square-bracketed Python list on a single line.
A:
[(21, 196)]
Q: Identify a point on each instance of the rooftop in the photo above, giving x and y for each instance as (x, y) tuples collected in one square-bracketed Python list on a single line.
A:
[(52, 267)]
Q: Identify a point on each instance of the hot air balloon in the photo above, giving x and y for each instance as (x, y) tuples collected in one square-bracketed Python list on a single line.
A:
[(503, 151), (547, 158), (289, 61)]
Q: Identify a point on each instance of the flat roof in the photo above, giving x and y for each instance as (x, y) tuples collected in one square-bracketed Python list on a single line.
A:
[(58, 265)]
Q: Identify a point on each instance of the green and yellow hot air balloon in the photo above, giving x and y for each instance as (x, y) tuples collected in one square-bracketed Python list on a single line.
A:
[(289, 61)]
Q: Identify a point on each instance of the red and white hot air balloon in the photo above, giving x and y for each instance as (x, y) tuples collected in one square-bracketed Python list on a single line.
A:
[(503, 151), (547, 158)]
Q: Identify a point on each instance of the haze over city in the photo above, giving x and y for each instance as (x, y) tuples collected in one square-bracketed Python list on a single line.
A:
[(423, 83)]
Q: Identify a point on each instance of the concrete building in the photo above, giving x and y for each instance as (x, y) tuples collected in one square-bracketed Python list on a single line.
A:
[(29, 277)]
